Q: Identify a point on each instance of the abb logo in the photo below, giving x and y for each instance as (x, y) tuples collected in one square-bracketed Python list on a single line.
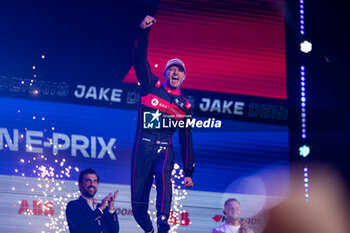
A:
[(183, 218), (39, 208)]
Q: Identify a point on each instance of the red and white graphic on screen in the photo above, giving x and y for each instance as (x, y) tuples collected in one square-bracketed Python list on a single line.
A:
[(235, 47), (182, 219), (38, 208)]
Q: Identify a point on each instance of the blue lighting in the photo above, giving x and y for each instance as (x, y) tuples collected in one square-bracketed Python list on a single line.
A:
[(303, 100)]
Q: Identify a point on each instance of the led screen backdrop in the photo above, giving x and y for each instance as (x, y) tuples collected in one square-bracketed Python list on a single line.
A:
[(69, 100), (47, 140), (235, 47)]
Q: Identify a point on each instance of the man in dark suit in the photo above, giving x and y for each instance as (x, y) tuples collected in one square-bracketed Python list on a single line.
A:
[(85, 215)]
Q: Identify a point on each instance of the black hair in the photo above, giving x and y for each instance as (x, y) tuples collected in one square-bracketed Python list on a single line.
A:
[(87, 171)]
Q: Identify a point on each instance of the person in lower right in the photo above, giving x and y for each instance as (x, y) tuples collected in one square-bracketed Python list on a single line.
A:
[(233, 222)]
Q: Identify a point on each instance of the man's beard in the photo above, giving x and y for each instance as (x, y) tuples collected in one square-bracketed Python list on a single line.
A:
[(88, 194)]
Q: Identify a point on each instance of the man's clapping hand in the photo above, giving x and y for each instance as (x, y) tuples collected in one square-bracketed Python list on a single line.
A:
[(108, 201)]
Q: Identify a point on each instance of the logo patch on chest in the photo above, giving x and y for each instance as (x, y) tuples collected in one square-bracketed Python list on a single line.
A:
[(155, 102), (179, 103)]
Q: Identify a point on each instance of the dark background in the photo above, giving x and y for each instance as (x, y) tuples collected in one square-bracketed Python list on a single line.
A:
[(327, 84), (70, 34)]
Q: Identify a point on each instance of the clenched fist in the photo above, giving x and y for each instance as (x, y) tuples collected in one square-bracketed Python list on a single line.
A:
[(147, 22), (188, 183)]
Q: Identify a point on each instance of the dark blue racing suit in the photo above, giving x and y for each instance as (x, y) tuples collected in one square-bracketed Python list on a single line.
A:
[(153, 154)]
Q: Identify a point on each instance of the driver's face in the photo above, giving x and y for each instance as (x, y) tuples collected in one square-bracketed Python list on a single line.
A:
[(174, 76)]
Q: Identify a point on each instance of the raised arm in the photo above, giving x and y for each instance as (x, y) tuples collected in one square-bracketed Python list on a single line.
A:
[(142, 68)]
